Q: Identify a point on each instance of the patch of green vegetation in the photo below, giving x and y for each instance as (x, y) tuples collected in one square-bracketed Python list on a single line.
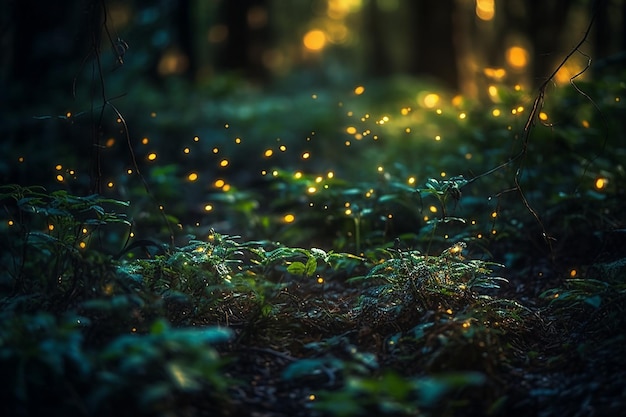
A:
[(347, 268)]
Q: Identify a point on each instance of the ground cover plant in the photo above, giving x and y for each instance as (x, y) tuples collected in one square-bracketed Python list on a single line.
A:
[(386, 248)]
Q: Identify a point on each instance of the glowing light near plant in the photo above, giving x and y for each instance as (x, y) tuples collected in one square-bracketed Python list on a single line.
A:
[(320, 280), (601, 183), (219, 183), (110, 184), (289, 218), (60, 178), (543, 116), (10, 222), (152, 156), (311, 190), (58, 167), (359, 90), (224, 163), (496, 112), (573, 273), (432, 209), (462, 116), (145, 141), (351, 130), (297, 175), (411, 181), (306, 155), (50, 227), (193, 176), (431, 100), (585, 124)]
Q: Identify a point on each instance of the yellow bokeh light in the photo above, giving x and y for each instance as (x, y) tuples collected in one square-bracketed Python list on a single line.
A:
[(10, 222), (219, 183), (585, 124), (216, 150), (320, 280), (224, 163), (462, 116), (314, 40), (351, 130), (493, 91), (431, 100), (306, 155), (517, 57), (145, 141), (268, 153), (60, 178), (82, 245), (495, 73), (601, 183), (186, 150), (110, 184), (433, 209), (297, 175), (311, 190), (58, 167), (192, 176), (496, 112), (543, 116), (152, 156), (208, 207), (359, 90), (289, 218), (411, 180), (573, 273), (51, 227), (226, 187), (330, 174), (485, 9)]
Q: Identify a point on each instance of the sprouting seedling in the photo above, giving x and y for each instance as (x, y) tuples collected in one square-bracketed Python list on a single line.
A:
[(445, 189)]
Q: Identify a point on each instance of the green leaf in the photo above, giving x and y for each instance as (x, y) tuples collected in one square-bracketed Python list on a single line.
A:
[(311, 266), (296, 268)]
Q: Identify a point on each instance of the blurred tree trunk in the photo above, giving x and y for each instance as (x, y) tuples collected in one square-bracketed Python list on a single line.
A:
[(248, 37), (434, 51)]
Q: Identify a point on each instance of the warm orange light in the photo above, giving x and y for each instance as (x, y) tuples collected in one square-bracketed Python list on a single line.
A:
[(289, 218), (359, 90), (485, 9), (152, 156), (517, 57), (224, 163), (192, 176), (351, 130), (219, 183), (601, 183), (314, 40)]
